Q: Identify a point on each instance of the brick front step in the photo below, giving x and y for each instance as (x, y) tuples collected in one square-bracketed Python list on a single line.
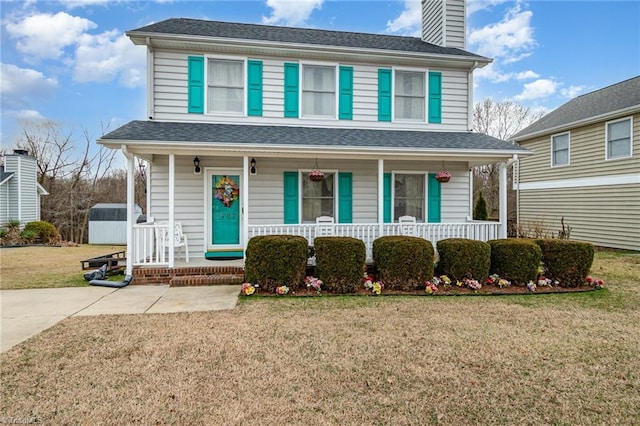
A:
[(195, 280), (197, 274)]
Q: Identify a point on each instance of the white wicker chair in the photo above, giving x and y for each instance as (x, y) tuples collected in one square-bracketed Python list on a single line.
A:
[(179, 238), (407, 225)]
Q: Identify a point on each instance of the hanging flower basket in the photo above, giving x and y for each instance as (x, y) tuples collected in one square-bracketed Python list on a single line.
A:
[(316, 175), (443, 176)]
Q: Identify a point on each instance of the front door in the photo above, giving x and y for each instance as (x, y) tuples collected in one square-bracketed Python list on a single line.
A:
[(225, 210)]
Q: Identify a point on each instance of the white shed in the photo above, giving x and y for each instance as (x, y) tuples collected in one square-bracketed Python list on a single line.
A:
[(108, 223)]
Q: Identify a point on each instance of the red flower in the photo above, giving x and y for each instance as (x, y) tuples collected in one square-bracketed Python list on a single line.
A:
[(589, 279)]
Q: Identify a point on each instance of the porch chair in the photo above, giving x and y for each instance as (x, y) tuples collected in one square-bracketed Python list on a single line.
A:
[(407, 225), (324, 226), (179, 238)]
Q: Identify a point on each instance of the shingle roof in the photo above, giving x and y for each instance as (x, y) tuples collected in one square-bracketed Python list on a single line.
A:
[(306, 136), (610, 99), (195, 27)]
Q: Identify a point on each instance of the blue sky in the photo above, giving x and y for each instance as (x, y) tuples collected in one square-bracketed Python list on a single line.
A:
[(70, 62)]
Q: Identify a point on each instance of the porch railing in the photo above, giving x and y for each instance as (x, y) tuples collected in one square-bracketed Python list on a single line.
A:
[(368, 232), (148, 249)]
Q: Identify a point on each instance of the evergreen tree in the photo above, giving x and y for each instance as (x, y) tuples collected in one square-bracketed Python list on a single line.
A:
[(480, 210)]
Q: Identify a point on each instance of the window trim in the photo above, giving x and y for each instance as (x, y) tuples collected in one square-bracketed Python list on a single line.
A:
[(568, 163), (336, 89), (425, 176), (336, 200), (425, 95), (606, 138), (242, 59)]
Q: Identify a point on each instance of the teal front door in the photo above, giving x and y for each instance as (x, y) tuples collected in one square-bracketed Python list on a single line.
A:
[(225, 210)]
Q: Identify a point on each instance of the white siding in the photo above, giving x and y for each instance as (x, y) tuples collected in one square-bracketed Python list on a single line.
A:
[(455, 24), (22, 189), (4, 203), (170, 97), (443, 22), (108, 232), (433, 22)]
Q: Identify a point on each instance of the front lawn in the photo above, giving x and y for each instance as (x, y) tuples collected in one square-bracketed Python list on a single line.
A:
[(44, 266), (532, 359)]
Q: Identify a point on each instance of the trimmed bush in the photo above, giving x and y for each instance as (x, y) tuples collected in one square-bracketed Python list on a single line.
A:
[(340, 262), (275, 260), (405, 263), (515, 259), (566, 261), (42, 230), (461, 258)]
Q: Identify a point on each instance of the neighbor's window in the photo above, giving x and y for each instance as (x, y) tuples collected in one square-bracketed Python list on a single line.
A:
[(409, 96), (619, 139), (318, 91), (408, 197), (318, 197), (560, 150), (226, 86)]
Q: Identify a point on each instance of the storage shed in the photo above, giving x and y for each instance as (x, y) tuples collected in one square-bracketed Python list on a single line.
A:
[(108, 223)]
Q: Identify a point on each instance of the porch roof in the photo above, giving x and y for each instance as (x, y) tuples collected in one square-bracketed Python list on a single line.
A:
[(239, 137)]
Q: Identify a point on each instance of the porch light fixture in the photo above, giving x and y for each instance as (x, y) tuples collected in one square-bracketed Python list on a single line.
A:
[(253, 169), (196, 165)]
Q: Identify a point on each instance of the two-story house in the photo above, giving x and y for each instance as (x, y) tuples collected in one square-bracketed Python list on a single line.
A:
[(256, 130), (585, 168), (20, 191)]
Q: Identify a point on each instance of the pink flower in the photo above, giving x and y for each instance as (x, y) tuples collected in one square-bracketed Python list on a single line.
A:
[(589, 279)]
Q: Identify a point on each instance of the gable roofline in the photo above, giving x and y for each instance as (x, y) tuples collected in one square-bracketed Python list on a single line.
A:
[(608, 102), (5, 177), (291, 38), (41, 189)]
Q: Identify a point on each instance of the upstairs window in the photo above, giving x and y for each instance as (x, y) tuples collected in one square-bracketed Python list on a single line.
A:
[(619, 140), (225, 86), (409, 96), (560, 150), (408, 199), (318, 91)]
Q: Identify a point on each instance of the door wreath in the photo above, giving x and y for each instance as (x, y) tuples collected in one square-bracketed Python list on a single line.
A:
[(226, 191)]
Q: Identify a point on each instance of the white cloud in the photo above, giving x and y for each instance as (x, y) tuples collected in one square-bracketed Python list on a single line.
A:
[(70, 4), (510, 39), (109, 56), (409, 21), (44, 36), (540, 88), (19, 85), (28, 115), (572, 91), (492, 73), (290, 12), (527, 75), (474, 6)]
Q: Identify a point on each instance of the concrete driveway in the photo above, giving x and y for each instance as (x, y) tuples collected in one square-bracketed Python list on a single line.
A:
[(26, 313)]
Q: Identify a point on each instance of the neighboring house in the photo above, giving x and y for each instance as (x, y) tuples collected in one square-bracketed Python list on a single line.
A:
[(20, 191), (240, 114), (585, 167)]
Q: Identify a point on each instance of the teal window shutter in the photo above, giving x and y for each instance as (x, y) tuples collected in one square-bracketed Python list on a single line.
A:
[(291, 83), (435, 97), (387, 188), (346, 93), (254, 88), (345, 197), (290, 197), (434, 196), (384, 94), (195, 83)]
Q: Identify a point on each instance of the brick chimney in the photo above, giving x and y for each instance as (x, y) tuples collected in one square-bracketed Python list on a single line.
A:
[(444, 22)]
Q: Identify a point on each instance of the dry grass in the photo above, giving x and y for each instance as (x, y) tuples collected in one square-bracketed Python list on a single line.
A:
[(553, 359), (37, 267)]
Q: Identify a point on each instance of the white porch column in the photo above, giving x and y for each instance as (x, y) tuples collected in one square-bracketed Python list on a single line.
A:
[(148, 172), (244, 195), (172, 207), (130, 208), (503, 200), (380, 197)]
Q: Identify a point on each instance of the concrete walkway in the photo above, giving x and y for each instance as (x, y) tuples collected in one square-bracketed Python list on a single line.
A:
[(26, 313)]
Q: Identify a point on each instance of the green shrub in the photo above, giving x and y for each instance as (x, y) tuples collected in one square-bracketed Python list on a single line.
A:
[(404, 263), (13, 224), (480, 210), (566, 261), (340, 262), (515, 259), (275, 260), (3, 232), (28, 235), (43, 230), (461, 258)]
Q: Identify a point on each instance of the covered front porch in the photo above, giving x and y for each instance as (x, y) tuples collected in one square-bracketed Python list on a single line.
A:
[(206, 199)]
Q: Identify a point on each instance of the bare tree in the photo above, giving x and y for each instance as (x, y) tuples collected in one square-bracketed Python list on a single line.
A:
[(501, 120)]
